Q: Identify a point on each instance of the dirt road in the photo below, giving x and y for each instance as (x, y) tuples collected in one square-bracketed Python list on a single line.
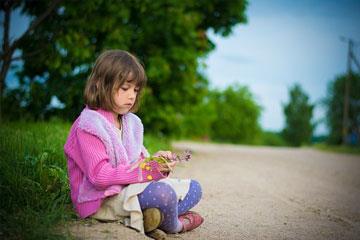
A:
[(264, 193)]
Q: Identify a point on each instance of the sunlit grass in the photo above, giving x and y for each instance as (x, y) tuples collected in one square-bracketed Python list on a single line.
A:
[(33, 179), (156, 143), (34, 186), (338, 149)]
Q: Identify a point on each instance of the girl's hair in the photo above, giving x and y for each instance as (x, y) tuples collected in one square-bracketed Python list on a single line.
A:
[(111, 70)]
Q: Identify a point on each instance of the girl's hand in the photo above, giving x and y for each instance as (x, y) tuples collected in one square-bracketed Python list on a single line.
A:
[(167, 167), (165, 154)]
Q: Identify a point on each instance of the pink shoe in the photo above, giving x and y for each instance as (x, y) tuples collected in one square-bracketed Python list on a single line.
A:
[(190, 220)]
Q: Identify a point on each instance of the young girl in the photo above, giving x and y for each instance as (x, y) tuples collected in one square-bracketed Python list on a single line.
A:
[(104, 150)]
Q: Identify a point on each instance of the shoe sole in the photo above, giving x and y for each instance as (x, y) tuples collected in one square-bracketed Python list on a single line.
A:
[(152, 219)]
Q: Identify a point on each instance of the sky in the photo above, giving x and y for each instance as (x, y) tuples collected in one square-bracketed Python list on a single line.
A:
[(283, 43), (18, 25)]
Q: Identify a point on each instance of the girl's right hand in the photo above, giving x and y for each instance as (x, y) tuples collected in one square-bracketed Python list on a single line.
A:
[(165, 154), (167, 167)]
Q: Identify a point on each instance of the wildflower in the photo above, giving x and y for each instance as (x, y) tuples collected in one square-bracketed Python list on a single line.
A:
[(185, 157)]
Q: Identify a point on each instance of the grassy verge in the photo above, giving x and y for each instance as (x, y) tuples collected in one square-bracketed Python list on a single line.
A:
[(338, 149), (154, 144), (33, 179)]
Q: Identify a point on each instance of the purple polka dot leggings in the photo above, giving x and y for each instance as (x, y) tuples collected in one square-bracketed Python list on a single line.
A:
[(162, 196)]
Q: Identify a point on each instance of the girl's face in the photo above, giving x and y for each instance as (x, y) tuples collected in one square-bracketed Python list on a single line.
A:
[(125, 97)]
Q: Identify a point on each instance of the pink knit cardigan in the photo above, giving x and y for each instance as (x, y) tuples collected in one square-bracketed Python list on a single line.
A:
[(100, 163)]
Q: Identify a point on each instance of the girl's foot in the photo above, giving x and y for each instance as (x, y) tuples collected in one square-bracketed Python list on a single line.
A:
[(190, 220), (152, 219)]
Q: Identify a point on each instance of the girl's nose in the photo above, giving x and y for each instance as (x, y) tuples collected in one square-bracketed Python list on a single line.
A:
[(132, 94)]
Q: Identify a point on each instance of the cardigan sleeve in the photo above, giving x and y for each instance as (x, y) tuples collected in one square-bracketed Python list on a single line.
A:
[(101, 173), (144, 152)]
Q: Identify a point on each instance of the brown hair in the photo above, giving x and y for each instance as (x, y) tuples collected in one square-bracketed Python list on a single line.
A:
[(111, 70)]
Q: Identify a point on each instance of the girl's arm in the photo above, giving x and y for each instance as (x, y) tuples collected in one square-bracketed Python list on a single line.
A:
[(144, 152), (99, 170)]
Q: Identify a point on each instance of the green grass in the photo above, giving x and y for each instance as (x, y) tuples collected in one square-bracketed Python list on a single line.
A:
[(268, 138), (154, 143), (338, 149), (34, 186), (33, 180)]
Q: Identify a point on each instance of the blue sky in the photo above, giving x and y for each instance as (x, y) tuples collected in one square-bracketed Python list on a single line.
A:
[(285, 42), (18, 25)]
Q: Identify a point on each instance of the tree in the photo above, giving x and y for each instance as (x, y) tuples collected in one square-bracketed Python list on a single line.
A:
[(298, 114), (334, 103), (237, 115), (8, 46), (168, 36), (198, 119)]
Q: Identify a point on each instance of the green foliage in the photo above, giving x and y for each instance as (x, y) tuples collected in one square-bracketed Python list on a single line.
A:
[(168, 36), (335, 107), (33, 178), (237, 115), (338, 149), (271, 139), (198, 120), (12, 105), (298, 114), (155, 143)]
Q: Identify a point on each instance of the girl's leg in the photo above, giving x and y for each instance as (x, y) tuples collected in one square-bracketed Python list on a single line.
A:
[(191, 198), (162, 196)]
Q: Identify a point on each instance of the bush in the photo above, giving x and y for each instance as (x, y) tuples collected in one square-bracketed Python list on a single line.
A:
[(335, 110), (237, 116), (272, 139), (298, 117), (197, 123)]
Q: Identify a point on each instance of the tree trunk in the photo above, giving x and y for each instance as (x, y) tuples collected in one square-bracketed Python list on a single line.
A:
[(6, 50), (4, 69)]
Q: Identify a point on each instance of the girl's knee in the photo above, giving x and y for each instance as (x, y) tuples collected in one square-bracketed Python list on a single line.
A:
[(164, 194), (195, 186), (162, 187)]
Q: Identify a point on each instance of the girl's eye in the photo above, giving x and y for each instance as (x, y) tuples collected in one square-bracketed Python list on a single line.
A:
[(124, 88), (137, 89)]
